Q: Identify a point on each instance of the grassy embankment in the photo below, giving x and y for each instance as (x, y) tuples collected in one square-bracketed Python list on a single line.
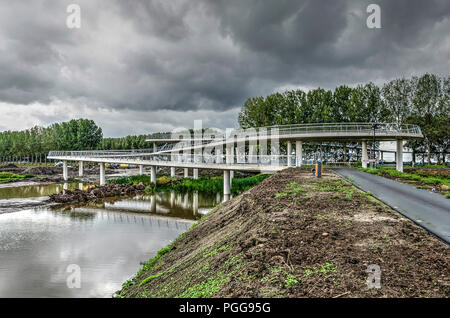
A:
[(297, 236), (211, 185), (6, 177), (428, 179)]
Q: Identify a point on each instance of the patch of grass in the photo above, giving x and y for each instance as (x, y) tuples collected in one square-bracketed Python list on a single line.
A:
[(145, 179), (150, 278), (334, 186), (413, 176), (206, 289), (6, 177), (290, 281), (324, 269), (291, 188), (279, 275), (210, 185), (151, 263), (328, 268)]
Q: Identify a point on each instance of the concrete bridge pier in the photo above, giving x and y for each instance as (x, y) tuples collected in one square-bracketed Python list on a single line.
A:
[(102, 173), (153, 204), (141, 170), (226, 185), (186, 172), (399, 155), (364, 154), (195, 203), (195, 173), (80, 168), (65, 171), (153, 174), (172, 172), (172, 199), (289, 151), (298, 153)]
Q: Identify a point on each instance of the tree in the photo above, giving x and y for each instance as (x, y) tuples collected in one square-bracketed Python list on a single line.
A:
[(397, 95), (426, 93)]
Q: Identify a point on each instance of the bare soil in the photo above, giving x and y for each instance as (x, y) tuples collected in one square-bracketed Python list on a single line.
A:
[(96, 192), (297, 236)]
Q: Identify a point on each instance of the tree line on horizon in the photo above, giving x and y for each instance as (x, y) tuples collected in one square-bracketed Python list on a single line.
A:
[(420, 100), (424, 101), (76, 134)]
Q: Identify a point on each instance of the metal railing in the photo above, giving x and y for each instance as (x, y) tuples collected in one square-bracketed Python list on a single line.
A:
[(163, 152), (281, 130)]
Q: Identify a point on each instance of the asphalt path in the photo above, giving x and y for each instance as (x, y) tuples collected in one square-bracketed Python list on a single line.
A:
[(427, 209)]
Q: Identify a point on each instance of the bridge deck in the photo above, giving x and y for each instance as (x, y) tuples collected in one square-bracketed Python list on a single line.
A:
[(159, 163)]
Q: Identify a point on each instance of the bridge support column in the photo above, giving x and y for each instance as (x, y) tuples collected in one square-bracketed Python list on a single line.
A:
[(153, 204), (399, 156), (102, 173), (289, 151), (80, 168), (65, 171), (229, 156), (226, 185), (141, 170), (172, 172), (364, 154), (298, 153), (195, 203), (186, 172), (195, 172), (153, 174)]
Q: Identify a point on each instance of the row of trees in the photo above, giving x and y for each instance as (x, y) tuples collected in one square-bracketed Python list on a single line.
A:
[(72, 135), (80, 134), (423, 100)]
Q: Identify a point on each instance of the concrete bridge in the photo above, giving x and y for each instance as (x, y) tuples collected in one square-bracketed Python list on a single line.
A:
[(241, 149)]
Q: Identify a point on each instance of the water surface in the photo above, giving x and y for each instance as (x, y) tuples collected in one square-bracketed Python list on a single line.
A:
[(107, 240)]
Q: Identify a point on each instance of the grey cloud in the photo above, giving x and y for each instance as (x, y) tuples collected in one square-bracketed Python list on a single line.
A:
[(205, 56)]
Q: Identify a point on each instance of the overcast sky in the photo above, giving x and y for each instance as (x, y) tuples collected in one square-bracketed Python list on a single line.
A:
[(140, 66)]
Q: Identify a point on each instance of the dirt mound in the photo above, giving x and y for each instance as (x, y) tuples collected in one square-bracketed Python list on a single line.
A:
[(110, 190), (9, 166), (43, 171), (297, 236)]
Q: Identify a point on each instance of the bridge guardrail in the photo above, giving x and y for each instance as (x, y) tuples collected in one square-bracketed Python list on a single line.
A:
[(149, 155), (325, 127)]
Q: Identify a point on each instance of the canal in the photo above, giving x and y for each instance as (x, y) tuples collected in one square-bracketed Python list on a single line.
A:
[(86, 250)]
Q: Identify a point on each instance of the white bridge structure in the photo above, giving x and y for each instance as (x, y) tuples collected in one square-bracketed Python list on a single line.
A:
[(253, 149)]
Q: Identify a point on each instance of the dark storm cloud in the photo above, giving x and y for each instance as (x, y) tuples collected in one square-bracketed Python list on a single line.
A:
[(209, 55)]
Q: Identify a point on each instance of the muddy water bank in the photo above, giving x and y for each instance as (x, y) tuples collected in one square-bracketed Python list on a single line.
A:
[(96, 192), (27, 195)]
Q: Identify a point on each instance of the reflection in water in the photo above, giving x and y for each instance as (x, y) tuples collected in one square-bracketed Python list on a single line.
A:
[(37, 246), (187, 205), (108, 239), (33, 191)]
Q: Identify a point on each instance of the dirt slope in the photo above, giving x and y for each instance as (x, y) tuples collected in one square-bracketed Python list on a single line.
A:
[(296, 236)]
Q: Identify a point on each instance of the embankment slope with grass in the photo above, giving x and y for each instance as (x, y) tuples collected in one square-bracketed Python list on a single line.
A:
[(297, 236)]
